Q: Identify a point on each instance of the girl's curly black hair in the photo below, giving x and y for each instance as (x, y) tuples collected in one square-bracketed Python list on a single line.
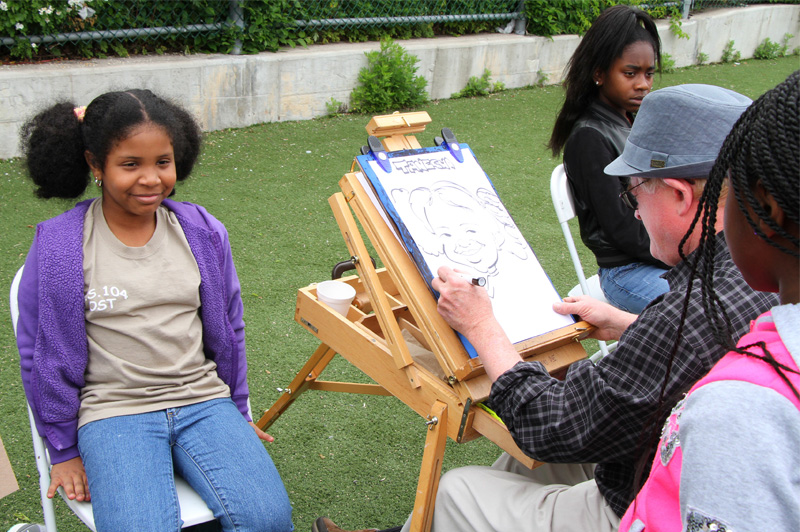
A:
[(55, 141)]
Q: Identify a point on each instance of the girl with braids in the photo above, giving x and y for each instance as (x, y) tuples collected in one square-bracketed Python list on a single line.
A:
[(735, 435), (607, 77), (130, 332)]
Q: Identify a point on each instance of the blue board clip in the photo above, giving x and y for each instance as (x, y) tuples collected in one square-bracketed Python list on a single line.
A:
[(452, 144), (379, 153)]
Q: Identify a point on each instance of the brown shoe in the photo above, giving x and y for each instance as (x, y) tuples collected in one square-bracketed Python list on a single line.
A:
[(323, 524)]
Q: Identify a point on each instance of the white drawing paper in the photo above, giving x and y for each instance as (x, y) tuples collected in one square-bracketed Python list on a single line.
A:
[(452, 214)]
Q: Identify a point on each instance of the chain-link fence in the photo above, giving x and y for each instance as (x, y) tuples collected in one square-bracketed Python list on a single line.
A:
[(97, 28), (695, 5), (387, 13), (42, 29)]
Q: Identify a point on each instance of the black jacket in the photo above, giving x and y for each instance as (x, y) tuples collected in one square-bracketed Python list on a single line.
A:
[(607, 226)]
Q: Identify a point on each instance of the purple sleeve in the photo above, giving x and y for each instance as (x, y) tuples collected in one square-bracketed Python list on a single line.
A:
[(236, 317), (27, 326)]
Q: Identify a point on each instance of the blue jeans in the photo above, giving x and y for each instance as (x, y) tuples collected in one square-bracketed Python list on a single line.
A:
[(633, 286), (130, 462)]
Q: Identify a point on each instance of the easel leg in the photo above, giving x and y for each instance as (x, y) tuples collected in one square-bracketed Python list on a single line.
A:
[(308, 374), (431, 469)]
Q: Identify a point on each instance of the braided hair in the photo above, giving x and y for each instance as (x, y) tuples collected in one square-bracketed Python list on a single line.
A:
[(56, 140), (763, 147), (614, 30)]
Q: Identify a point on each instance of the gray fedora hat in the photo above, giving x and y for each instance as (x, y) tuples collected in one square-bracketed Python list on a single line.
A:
[(679, 131)]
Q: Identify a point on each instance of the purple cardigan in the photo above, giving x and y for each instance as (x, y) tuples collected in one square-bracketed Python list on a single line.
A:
[(51, 331)]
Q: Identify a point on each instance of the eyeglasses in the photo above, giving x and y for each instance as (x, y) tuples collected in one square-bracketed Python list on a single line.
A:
[(628, 198)]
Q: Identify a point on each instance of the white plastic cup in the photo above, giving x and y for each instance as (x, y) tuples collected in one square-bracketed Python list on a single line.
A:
[(337, 295)]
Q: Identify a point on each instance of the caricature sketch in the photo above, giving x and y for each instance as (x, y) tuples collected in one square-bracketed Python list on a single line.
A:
[(448, 213), (471, 230)]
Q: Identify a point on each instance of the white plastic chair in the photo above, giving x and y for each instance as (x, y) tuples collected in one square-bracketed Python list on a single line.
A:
[(565, 211), (193, 509)]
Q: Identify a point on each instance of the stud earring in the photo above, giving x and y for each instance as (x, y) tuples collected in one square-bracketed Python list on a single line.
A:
[(98, 182), (597, 83)]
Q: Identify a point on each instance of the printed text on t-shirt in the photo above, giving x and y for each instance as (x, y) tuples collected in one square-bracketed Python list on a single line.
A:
[(103, 298)]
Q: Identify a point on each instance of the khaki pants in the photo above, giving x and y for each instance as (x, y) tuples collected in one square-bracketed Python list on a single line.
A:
[(509, 497)]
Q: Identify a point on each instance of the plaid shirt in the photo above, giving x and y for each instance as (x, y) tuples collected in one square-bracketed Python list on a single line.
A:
[(597, 413)]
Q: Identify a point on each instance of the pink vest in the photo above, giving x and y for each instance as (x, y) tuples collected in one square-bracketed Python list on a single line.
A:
[(657, 505)]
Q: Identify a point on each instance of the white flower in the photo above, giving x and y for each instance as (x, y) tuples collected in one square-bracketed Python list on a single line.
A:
[(19, 26), (75, 3), (34, 45), (86, 12), (3, 6), (46, 10)]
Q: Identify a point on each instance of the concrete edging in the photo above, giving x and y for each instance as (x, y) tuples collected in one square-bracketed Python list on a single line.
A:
[(226, 91)]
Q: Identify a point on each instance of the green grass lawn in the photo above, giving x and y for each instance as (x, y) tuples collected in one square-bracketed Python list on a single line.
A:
[(355, 458)]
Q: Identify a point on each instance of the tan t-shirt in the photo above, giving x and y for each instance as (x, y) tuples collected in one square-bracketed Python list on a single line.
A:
[(145, 333)]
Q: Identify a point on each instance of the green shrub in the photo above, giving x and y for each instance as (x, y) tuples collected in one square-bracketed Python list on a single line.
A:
[(335, 107), (730, 54), (768, 49), (702, 58), (556, 17), (479, 86), (541, 78), (268, 25), (670, 11), (675, 21), (771, 50), (559, 17), (784, 51), (667, 63), (389, 81)]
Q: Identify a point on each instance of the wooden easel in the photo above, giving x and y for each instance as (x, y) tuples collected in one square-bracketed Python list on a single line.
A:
[(394, 300)]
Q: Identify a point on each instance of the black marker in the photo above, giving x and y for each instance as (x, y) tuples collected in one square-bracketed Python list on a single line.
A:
[(477, 281)]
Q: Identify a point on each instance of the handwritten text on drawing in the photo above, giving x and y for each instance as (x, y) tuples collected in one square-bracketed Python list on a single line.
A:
[(415, 166)]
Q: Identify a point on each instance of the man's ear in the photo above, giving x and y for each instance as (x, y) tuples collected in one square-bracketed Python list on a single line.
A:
[(683, 194)]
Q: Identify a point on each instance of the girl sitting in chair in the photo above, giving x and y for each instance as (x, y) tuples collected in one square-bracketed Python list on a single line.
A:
[(130, 331), (607, 77)]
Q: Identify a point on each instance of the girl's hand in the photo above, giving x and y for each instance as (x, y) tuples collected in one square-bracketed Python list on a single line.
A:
[(71, 476), (261, 434)]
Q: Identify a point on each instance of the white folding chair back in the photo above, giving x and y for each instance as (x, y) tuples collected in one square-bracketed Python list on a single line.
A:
[(193, 509), (565, 211)]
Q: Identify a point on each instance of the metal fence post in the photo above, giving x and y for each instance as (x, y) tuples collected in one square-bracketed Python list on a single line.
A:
[(687, 4), (236, 15), (521, 23)]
